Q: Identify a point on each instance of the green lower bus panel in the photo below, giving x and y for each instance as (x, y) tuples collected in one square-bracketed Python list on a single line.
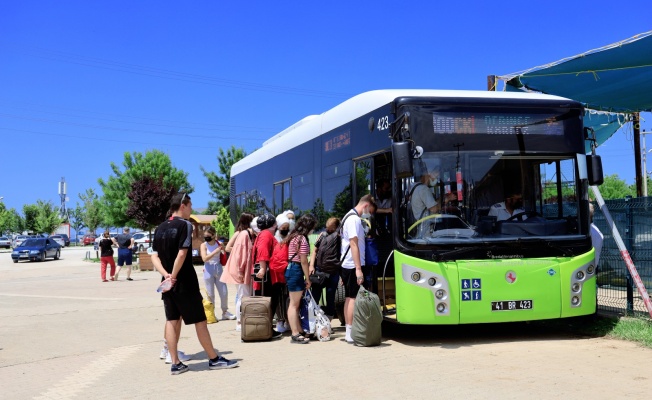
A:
[(500, 290)]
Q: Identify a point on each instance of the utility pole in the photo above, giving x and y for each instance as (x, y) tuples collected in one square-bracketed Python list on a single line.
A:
[(637, 154), (644, 155)]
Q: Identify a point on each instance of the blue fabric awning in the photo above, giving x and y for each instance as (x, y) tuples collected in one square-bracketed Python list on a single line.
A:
[(611, 82), (614, 78)]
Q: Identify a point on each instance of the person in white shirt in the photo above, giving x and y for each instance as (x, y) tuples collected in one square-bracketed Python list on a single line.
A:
[(353, 264), (512, 205)]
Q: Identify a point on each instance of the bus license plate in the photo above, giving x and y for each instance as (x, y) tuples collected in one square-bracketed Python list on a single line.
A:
[(511, 305)]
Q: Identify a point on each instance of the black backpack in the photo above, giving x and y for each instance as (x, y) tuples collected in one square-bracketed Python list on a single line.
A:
[(329, 256)]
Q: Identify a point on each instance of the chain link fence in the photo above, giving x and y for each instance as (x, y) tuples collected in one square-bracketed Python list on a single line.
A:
[(616, 289)]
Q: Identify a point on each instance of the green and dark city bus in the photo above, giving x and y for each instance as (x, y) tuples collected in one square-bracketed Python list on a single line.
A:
[(458, 263)]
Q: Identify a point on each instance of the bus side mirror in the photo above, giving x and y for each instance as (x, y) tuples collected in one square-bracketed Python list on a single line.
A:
[(594, 169), (402, 156)]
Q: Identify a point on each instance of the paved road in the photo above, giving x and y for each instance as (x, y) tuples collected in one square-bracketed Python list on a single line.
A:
[(65, 334)]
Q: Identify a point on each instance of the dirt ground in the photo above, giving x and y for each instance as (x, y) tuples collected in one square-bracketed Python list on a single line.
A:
[(65, 334)]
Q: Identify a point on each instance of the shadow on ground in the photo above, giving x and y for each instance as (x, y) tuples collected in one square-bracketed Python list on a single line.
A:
[(455, 336)]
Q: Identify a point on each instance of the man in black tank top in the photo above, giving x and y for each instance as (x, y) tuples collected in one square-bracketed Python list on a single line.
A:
[(172, 258)]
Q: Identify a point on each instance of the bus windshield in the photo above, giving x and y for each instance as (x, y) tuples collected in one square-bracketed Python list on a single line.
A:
[(489, 196)]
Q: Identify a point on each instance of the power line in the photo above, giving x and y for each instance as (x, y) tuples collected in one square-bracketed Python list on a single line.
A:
[(83, 125), (221, 127), (102, 139), (71, 58)]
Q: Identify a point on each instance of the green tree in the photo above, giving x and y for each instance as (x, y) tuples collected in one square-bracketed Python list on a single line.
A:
[(615, 188), (632, 187), (221, 222), (10, 220), (219, 183), (76, 218), (30, 211), (47, 218), (319, 211), (154, 164), (92, 214), (344, 200)]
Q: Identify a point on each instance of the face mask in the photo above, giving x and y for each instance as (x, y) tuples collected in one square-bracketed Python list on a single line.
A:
[(365, 214), (284, 232), (291, 224), (208, 238), (433, 182)]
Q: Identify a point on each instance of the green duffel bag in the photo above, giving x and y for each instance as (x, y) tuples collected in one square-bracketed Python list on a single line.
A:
[(367, 319)]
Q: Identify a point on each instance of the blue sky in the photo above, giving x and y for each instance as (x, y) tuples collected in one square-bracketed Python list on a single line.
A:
[(81, 82)]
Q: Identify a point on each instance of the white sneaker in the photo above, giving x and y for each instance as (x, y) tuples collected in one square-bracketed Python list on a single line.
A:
[(280, 327), (164, 353), (238, 328), (182, 357), (227, 316)]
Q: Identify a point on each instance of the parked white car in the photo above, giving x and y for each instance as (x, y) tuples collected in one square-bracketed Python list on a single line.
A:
[(19, 240), (141, 241), (101, 236), (5, 242), (59, 239)]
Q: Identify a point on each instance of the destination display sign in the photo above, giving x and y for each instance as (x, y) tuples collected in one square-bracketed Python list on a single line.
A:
[(481, 123)]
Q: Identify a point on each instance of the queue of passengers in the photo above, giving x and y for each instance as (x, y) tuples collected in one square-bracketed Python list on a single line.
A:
[(257, 238)]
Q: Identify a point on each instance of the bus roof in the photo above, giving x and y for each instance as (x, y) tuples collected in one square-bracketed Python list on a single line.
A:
[(315, 125)]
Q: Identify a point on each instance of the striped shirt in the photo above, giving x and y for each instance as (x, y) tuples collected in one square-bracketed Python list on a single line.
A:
[(304, 248)]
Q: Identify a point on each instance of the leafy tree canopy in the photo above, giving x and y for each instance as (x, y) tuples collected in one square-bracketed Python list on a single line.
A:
[(221, 222), (92, 215), (10, 220), (76, 218), (615, 188), (153, 164), (219, 183), (47, 217), (30, 211)]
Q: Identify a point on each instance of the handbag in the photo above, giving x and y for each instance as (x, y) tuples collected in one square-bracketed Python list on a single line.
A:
[(370, 252), (318, 278)]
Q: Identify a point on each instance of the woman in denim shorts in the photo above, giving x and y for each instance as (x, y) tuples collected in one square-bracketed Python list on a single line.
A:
[(296, 274)]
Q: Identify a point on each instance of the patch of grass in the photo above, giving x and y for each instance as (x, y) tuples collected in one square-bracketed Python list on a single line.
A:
[(633, 329), (637, 330)]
